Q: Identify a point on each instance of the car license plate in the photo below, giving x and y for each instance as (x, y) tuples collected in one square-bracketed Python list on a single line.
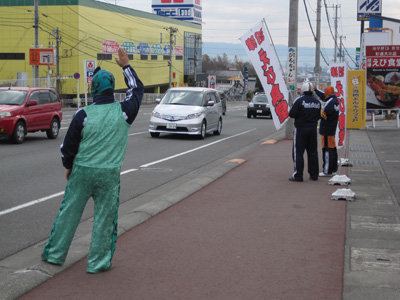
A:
[(171, 126), (259, 111)]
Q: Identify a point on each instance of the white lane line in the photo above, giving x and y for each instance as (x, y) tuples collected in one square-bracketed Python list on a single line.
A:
[(10, 210), (19, 207), (137, 133), (128, 171), (195, 149)]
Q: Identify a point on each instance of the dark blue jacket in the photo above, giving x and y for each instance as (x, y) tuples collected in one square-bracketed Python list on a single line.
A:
[(331, 110), (306, 111), (130, 107)]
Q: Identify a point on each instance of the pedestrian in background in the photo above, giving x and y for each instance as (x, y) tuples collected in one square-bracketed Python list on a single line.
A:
[(92, 153), (306, 111), (327, 130)]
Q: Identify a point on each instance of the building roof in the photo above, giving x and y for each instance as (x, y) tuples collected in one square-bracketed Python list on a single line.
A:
[(225, 74)]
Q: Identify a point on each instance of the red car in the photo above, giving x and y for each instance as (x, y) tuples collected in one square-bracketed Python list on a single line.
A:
[(29, 109)]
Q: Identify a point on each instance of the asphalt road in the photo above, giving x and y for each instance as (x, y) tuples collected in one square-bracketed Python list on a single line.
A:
[(32, 178), (386, 143)]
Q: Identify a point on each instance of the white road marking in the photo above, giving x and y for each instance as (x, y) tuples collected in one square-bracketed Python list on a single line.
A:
[(128, 171), (195, 149), (19, 207), (137, 133), (10, 210)]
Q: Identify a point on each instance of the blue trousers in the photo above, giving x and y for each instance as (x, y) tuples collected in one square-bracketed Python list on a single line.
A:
[(305, 139), (103, 185)]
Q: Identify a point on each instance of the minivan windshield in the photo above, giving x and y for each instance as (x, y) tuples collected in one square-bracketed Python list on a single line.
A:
[(183, 98), (12, 97), (260, 98)]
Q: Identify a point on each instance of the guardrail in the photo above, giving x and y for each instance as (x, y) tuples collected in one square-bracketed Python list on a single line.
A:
[(396, 111), (148, 98)]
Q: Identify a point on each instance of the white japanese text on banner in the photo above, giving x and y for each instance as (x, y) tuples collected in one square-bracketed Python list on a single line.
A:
[(260, 49)]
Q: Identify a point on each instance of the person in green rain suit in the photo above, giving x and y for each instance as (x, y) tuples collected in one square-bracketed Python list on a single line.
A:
[(92, 153)]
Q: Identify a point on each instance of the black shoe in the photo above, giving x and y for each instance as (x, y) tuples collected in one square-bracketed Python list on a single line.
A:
[(295, 179), (313, 179)]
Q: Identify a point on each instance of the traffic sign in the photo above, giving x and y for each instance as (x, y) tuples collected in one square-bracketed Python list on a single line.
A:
[(77, 75)]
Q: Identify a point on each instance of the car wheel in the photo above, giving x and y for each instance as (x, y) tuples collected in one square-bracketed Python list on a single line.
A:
[(248, 115), (203, 130), (52, 133), (154, 134), (219, 128), (18, 135)]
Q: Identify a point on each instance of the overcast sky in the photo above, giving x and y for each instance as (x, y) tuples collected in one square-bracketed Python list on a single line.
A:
[(226, 21)]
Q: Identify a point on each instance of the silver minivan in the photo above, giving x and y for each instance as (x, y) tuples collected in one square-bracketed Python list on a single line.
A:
[(187, 110)]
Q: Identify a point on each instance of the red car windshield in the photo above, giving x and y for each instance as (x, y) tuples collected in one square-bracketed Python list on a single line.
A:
[(12, 97)]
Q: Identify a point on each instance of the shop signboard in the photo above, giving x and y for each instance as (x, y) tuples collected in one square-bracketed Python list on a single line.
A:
[(156, 49), (41, 57), (143, 48), (89, 67), (367, 8), (110, 46), (179, 51), (129, 47), (383, 77), (167, 50), (184, 10), (291, 76), (212, 81), (356, 105)]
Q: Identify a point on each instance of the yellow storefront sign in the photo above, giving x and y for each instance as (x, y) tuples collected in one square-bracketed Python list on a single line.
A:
[(356, 104)]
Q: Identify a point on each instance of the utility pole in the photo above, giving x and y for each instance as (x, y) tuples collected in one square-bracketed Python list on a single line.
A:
[(195, 59), (56, 33), (336, 29), (317, 69), (292, 42), (341, 54), (172, 32), (36, 26), (196, 39)]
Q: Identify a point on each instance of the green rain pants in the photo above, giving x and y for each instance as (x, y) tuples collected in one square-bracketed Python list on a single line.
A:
[(103, 185)]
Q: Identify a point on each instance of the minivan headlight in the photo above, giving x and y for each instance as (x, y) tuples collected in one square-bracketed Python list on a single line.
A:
[(193, 116), (251, 104), (5, 114), (156, 114)]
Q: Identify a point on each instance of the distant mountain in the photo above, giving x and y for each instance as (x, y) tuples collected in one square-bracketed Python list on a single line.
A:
[(306, 55)]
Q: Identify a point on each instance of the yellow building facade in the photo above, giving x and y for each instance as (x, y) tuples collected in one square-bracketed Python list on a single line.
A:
[(84, 30)]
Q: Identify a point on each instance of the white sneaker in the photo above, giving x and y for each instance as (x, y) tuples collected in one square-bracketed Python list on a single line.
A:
[(322, 174)]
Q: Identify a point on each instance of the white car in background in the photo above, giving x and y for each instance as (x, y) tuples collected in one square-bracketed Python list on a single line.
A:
[(187, 110)]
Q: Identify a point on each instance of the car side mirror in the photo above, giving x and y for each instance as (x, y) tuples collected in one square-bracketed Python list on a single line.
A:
[(32, 103), (158, 100), (210, 103)]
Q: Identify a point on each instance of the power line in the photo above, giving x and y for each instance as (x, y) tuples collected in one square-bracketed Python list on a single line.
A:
[(312, 30)]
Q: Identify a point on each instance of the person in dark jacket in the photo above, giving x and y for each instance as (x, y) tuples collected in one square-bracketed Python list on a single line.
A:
[(92, 153), (327, 130), (306, 111)]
